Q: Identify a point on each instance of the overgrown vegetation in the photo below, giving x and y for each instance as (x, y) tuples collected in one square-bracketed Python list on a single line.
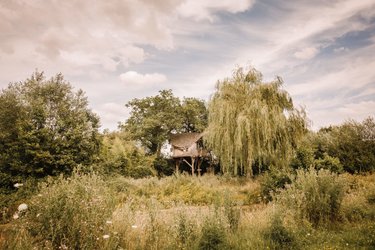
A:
[(87, 211), (64, 185)]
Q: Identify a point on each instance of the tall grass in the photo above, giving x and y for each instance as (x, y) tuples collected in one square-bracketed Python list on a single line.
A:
[(315, 196), (86, 211)]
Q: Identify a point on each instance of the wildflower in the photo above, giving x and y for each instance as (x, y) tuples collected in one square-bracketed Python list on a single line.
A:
[(108, 222), (15, 216), (22, 207), (17, 185), (134, 226), (106, 236)]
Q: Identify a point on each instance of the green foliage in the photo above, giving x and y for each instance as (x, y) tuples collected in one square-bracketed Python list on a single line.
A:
[(232, 212), (10, 199), (186, 230), (352, 143), (77, 212), (194, 115), (315, 196), (304, 158), (45, 129), (251, 121), (330, 163), (70, 212), (278, 235), (120, 155), (164, 167), (153, 118), (273, 181), (213, 234)]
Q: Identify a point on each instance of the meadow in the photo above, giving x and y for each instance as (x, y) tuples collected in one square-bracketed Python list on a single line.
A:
[(317, 210)]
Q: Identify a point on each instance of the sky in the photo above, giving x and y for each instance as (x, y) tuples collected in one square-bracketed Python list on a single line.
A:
[(117, 50)]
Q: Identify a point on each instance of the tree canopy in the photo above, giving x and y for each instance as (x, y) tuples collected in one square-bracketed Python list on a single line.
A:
[(45, 128), (352, 142), (153, 118), (252, 122)]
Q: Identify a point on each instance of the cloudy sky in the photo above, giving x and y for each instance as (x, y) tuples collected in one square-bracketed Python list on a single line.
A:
[(117, 50)]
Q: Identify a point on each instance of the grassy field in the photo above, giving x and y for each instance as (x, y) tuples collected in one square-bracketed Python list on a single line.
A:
[(318, 210)]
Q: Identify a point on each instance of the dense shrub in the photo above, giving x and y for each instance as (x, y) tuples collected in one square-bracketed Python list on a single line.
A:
[(278, 235), (353, 143), (304, 158), (120, 155), (314, 195), (213, 234), (330, 163), (272, 181)]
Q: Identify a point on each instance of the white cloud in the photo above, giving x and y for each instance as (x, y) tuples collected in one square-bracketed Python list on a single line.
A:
[(306, 53), (205, 9), (341, 49), (357, 111), (132, 77), (111, 113), (92, 44)]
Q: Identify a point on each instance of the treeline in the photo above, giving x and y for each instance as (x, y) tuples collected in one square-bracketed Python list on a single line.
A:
[(47, 129)]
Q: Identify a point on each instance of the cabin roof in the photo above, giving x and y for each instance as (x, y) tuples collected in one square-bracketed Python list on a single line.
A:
[(184, 140)]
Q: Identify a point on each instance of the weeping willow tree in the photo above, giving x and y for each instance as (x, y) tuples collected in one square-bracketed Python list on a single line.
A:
[(252, 122)]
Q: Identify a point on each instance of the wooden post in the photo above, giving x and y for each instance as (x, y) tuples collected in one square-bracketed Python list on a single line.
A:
[(192, 165), (177, 165), (199, 166)]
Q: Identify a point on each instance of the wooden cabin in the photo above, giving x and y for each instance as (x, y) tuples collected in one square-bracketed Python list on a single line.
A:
[(188, 147)]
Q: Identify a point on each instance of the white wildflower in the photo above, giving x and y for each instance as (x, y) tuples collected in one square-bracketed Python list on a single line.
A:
[(106, 236), (22, 207), (108, 222), (134, 226), (17, 185), (15, 216)]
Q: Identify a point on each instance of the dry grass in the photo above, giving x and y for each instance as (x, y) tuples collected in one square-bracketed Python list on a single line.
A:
[(184, 212)]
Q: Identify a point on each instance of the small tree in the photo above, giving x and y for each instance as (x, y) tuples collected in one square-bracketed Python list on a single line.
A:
[(252, 122), (45, 128)]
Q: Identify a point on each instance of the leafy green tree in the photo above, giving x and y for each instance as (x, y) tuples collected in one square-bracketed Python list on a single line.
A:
[(354, 144), (45, 128), (153, 118), (194, 115), (252, 122)]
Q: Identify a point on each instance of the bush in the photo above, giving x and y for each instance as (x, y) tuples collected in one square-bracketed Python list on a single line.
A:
[(71, 213), (232, 212), (140, 172), (314, 195), (273, 180), (9, 199), (213, 235), (330, 163), (304, 158), (278, 235), (185, 230)]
